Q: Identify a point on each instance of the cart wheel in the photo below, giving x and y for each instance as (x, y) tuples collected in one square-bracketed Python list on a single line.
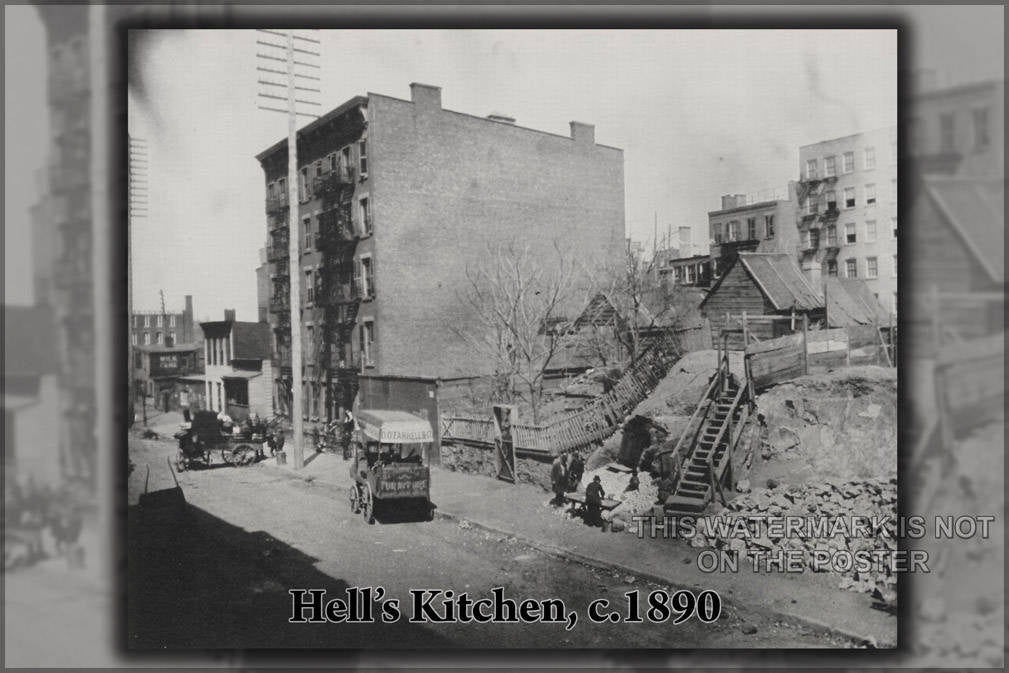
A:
[(180, 461), (355, 499), (243, 454), (367, 504)]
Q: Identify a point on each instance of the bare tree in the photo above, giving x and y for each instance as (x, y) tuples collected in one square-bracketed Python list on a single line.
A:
[(518, 310), (631, 303)]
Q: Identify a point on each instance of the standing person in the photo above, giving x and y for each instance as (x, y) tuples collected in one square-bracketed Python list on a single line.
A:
[(576, 471), (558, 478), (594, 495), (348, 432)]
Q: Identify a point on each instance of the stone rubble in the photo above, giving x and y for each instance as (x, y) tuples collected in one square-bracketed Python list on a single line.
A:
[(832, 499)]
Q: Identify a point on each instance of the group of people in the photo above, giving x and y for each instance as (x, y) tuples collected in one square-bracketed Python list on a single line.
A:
[(566, 474)]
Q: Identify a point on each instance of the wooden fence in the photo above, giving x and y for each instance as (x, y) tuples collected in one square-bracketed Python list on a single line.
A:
[(594, 422)]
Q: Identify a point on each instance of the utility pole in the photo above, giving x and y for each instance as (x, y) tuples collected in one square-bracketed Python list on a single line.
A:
[(286, 53), (137, 210)]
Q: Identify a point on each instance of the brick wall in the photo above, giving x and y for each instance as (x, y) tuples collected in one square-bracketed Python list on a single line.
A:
[(443, 186)]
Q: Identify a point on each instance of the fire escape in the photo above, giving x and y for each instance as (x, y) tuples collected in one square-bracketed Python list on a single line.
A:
[(338, 294)]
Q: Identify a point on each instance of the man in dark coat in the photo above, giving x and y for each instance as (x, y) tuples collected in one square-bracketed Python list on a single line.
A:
[(575, 471), (594, 495), (558, 479)]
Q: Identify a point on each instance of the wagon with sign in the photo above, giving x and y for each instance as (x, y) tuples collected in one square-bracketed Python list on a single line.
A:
[(389, 464), (205, 435)]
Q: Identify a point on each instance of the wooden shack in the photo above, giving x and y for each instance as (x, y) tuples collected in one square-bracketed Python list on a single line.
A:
[(958, 251), (762, 284)]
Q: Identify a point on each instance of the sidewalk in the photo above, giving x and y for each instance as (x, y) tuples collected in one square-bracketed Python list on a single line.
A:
[(522, 511)]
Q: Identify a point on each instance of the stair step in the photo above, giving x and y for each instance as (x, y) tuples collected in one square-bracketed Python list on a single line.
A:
[(676, 504)]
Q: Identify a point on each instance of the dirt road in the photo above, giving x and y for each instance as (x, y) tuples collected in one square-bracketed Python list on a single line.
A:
[(219, 578)]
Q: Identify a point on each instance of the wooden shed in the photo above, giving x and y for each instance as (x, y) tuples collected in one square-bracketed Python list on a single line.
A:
[(762, 284), (958, 251)]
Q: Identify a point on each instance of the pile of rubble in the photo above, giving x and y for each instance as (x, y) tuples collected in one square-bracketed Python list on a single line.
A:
[(832, 500)]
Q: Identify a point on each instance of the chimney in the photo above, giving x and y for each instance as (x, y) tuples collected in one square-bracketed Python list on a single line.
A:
[(229, 314), (425, 96), (811, 270), (583, 134), (189, 306)]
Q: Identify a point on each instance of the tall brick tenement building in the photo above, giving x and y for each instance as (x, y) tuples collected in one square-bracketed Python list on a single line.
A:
[(397, 199)]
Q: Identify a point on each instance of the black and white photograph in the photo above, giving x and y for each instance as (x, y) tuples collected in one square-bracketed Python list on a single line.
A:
[(513, 337), (528, 336)]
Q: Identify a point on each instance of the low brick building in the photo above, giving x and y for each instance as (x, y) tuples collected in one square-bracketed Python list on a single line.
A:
[(161, 376)]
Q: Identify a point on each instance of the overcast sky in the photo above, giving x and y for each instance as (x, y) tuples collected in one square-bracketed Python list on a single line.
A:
[(697, 113)]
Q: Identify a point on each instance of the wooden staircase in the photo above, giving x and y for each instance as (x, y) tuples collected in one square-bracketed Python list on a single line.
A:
[(702, 457)]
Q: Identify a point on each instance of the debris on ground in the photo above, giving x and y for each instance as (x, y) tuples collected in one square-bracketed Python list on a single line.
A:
[(833, 500)]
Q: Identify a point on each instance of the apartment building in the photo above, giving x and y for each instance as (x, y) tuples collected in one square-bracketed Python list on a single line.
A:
[(847, 210), (958, 130), (156, 328), (745, 225), (397, 198)]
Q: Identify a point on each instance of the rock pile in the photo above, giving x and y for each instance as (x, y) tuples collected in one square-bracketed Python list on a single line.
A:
[(832, 500)]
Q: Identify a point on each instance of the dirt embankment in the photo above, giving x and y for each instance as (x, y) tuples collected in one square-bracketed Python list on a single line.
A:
[(842, 424), (667, 408)]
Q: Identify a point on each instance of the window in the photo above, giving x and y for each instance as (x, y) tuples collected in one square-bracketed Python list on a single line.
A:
[(870, 231), (366, 224), (303, 184), (849, 162), (332, 162), (363, 154), (734, 230), (893, 220), (318, 168), (981, 137), (769, 226), (367, 337), (831, 197), (947, 138), (171, 335), (716, 232), (160, 320), (147, 321), (849, 197), (309, 339), (849, 234), (812, 205), (814, 238), (283, 189), (811, 169), (851, 268), (160, 338), (751, 228), (894, 274), (136, 339), (310, 287), (871, 267), (829, 167), (870, 195), (804, 238), (367, 278), (171, 321), (870, 158), (309, 238), (147, 338), (831, 235), (832, 267)]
